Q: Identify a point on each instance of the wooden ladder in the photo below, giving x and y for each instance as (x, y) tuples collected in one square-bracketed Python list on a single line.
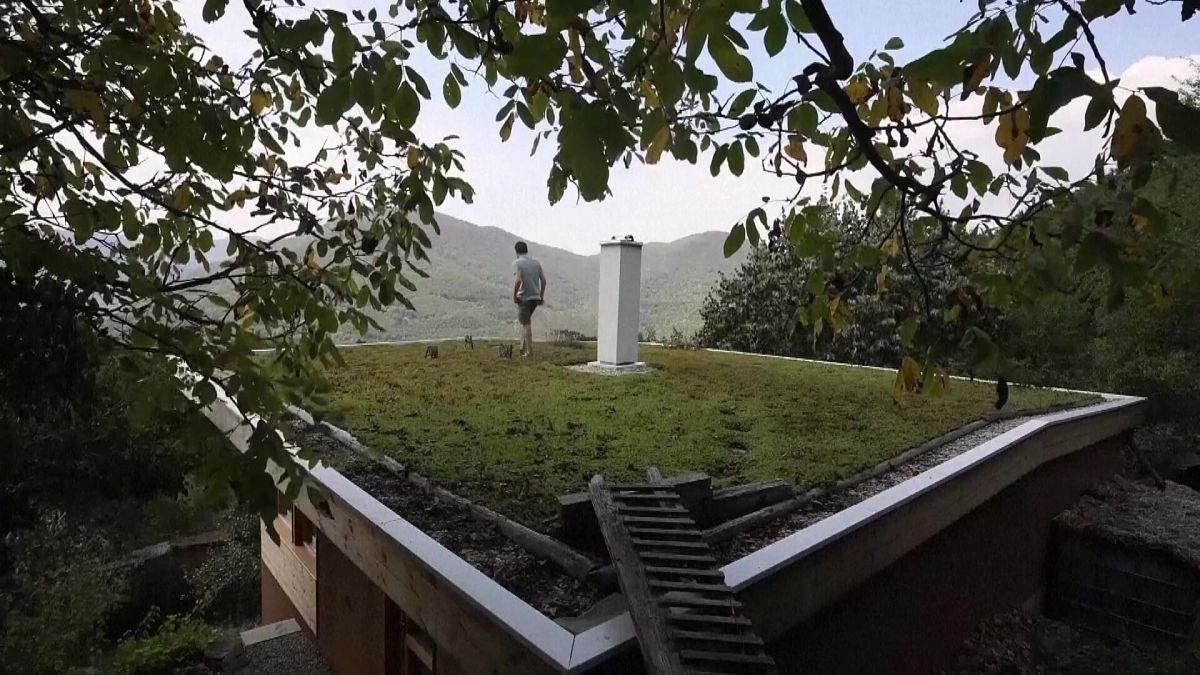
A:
[(687, 620)]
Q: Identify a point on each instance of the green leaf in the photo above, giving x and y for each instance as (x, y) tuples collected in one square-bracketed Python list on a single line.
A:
[(797, 17), (1056, 172), (734, 65), (1097, 110), (364, 89), (803, 119), (568, 8), (718, 159), (405, 106), (775, 39), (733, 242), (214, 9), (344, 47), (536, 55), (894, 43), (333, 101), (741, 102), (1178, 121), (451, 91), (737, 161)]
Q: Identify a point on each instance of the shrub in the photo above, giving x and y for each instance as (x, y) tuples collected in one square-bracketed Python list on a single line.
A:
[(226, 586), (178, 641), (56, 598)]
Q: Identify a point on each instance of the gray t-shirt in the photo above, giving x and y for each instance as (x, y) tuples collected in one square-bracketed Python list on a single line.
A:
[(531, 277)]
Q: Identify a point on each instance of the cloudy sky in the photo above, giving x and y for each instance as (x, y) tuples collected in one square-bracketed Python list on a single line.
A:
[(674, 199)]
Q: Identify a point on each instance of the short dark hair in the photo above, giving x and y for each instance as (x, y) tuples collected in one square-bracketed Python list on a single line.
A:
[(522, 249)]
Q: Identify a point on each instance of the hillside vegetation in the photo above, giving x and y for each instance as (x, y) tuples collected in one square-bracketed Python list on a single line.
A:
[(470, 284)]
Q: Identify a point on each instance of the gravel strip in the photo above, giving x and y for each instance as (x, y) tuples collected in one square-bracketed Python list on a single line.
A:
[(826, 506), (294, 654), (540, 583), (600, 369)]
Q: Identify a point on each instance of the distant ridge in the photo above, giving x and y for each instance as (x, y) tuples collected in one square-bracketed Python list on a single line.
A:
[(470, 283)]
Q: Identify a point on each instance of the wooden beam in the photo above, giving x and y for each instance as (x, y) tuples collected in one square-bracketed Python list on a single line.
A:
[(658, 653)]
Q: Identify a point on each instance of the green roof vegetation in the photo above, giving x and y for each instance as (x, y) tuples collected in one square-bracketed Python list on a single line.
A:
[(513, 434)]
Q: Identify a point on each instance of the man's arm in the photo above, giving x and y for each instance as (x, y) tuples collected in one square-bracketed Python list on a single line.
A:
[(543, 282), (517, 287)]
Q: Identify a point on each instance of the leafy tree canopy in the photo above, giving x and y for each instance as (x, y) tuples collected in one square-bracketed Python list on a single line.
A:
[(156, 182)]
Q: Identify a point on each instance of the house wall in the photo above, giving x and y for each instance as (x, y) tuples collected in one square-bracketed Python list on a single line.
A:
[(288, 580), (913, 616)]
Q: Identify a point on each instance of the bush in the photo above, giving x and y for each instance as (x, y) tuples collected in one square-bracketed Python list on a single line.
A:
[(226, 586), (56, 598), (178, 641)]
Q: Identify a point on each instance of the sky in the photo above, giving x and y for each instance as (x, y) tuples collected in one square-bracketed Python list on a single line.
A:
[(673, 199)]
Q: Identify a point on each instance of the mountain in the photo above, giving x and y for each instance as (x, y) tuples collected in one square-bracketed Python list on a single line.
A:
[(470, 285)]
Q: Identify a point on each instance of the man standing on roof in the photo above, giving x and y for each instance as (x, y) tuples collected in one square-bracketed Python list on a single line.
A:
[(529, 291)]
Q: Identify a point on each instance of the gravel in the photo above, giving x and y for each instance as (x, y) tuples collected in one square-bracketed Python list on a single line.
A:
[(601, 369), (829, 504), (538, 582), (1019, 642), (294, 654), (1141, 516)]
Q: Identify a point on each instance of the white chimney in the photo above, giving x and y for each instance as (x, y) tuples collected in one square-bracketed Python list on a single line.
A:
[(620, 300)]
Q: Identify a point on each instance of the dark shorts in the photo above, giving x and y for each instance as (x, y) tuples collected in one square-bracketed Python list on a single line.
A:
[(525, 311)]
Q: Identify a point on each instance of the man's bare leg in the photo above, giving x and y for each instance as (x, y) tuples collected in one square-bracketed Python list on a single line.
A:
[(527, 339)]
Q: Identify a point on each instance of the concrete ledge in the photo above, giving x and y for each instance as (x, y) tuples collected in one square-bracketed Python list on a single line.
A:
[(269, 632)]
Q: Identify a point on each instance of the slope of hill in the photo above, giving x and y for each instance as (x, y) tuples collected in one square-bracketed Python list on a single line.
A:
[(470, 282)]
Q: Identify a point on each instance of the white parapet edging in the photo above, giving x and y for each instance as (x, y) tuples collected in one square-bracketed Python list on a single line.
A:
[(544, 638)]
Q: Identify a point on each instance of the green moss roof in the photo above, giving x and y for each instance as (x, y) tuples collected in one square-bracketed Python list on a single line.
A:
[(514, 434)]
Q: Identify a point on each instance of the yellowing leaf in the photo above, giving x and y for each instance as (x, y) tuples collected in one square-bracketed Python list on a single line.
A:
[(182, 198), (974, 75), (1131, 125), (895, 104), (795, 149), (259, 101), (310, 261), (650, 94), (859, 90), (881, 279), (88, 103), (910, 371), (922, 94), (661, 139), (1012, 134), (414, 158), (1140, 222), (893, 247), (1161, 298)]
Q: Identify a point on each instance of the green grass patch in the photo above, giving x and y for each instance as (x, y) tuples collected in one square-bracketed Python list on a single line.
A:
[(514, 434)]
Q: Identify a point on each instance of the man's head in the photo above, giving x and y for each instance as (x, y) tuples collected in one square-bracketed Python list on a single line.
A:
[(522, 249)]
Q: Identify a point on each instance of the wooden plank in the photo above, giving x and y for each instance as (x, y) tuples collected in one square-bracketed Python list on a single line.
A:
[(678, 557), (708, 619), (725, 657), (663, 532), (686, 571), (690, 586), (643, 496), (697, 601), (650, 510), (296, 580), (708, 636), (657, 652), (683, 523), (655, 543)]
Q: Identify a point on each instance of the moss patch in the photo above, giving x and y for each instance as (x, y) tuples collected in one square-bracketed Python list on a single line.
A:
[(513, 434)]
